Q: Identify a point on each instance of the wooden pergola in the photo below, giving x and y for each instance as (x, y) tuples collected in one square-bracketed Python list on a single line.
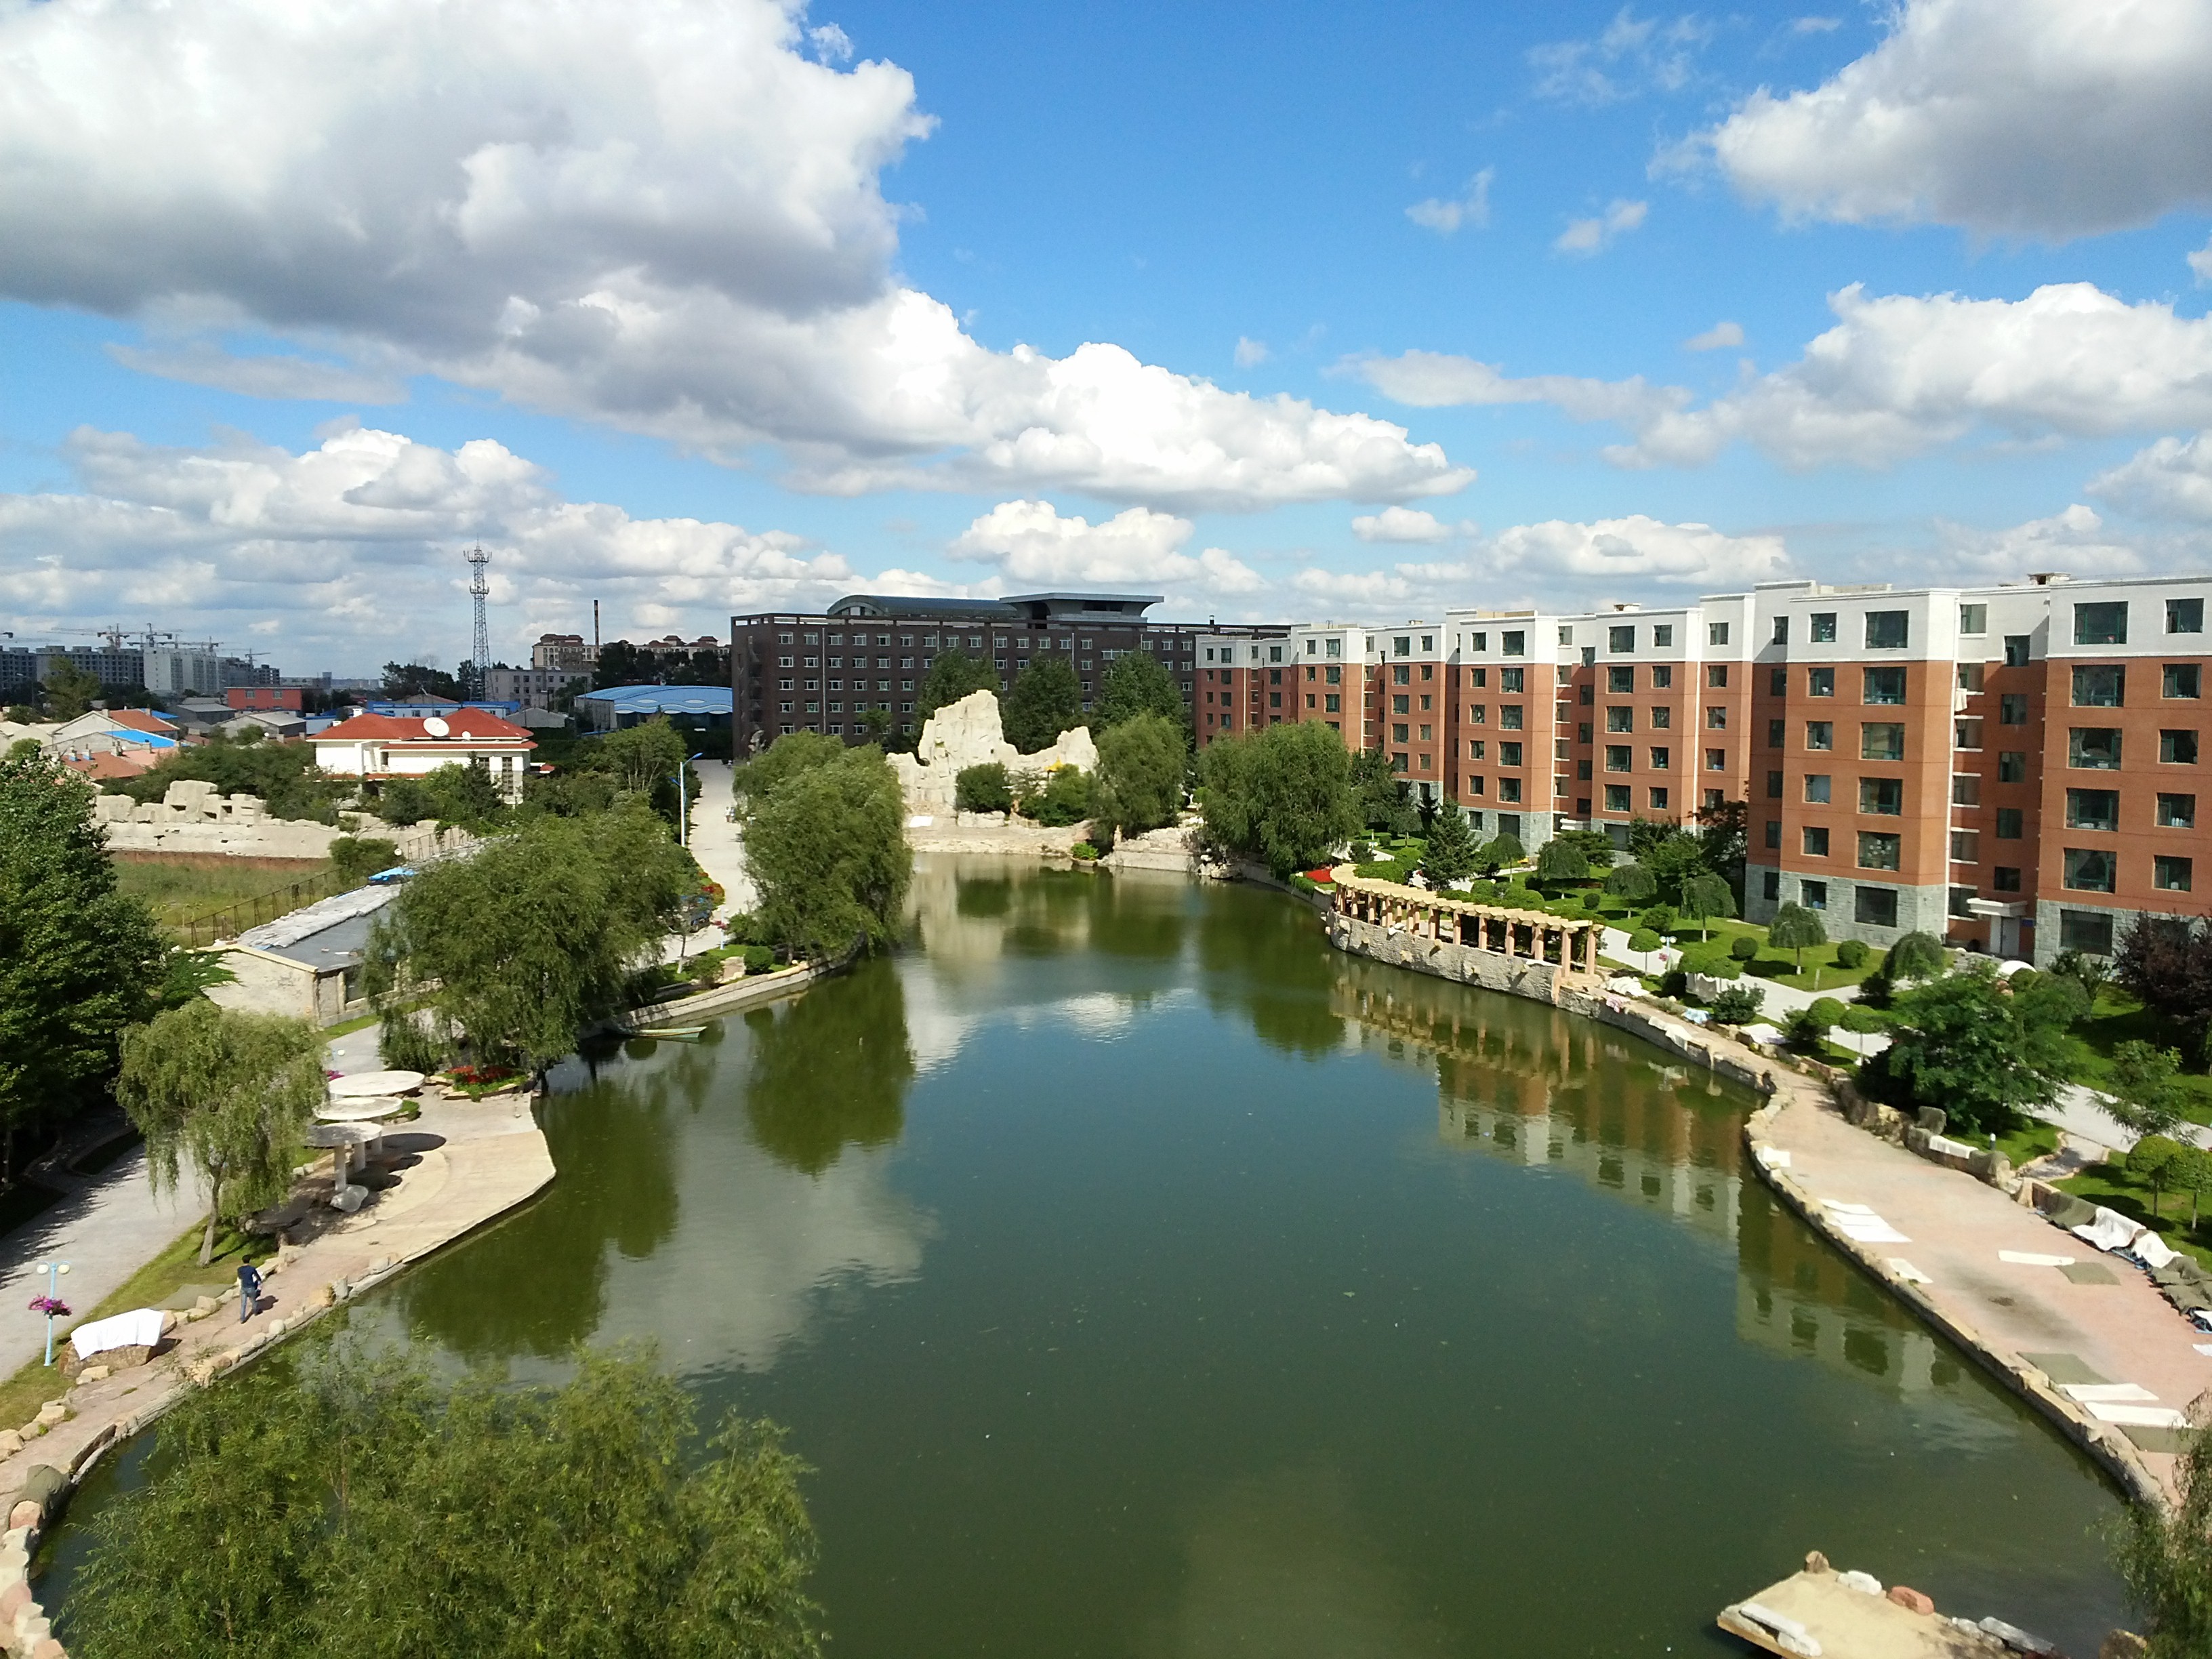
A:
[(1519, 935)]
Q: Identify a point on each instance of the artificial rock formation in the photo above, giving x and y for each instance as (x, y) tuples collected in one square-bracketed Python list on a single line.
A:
[(968, 733)]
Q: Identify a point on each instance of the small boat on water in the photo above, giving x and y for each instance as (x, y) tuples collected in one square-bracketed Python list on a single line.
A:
[(673, 1033)]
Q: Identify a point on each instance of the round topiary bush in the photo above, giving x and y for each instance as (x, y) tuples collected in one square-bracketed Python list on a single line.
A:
[(1644, 939), (1851, 953), (1744, 948), (1660, 918)]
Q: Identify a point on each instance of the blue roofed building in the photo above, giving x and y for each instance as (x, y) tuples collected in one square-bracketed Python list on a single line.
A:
[(695, 708)]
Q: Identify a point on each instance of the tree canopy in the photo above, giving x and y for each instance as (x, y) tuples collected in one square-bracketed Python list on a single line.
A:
[(1138, 786), (954, 674), (1633, 882), (2146, 1093), (534, 936), (1136, 683), (363, 1509), (1451, 853), (2166, 964), (1045, 700), (1980, 1048), (79, 961), (1706, 896), (826, 844), (1794, 927), (1561, 860), (231, 1095), (1915, 955), (1281, 796), (1380, 799)]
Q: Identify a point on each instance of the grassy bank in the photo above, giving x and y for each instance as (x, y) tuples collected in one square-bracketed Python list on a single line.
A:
[(181, 886)]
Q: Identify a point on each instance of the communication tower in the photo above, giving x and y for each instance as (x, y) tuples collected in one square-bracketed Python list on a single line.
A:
[(480, 656)]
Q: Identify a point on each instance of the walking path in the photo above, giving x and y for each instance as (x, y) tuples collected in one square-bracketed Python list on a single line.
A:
[(2040, 1328), (1781, 999)]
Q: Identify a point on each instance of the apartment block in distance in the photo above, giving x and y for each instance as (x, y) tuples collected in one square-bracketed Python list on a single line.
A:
[(869, 652)]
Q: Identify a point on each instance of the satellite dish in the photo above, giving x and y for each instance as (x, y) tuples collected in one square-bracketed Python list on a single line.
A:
[(436, 728)]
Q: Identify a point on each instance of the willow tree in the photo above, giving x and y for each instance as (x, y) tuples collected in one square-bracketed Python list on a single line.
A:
[(826, 846), (514, 950), (1141, 763), (230, 1094)]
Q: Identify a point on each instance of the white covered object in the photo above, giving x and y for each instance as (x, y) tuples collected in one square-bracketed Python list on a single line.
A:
[(139, 1328), (2151, 1250), (2110, 1231)]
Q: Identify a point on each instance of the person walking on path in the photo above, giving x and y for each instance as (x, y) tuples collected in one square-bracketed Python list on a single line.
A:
[(249, 1291)]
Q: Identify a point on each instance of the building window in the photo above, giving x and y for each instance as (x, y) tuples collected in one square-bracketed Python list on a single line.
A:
[(1617, 757), (1662, 676), (1966, 734), (1716, 633), (2177, 748), (2182, 679), (1332, 702), (1959, 901), (1509, 715), (1777, 682), (2090, 870), (1876, 907), (2005, 878), (1973, 619), (1965, 790), (1620, 639), (1715, 760), (2103, 686), (2185, 616), (1333, 674), (1658, 801), (1774, 785), (1969, 677), (2177, 812), (2092, 809), (1820, 682), (1888, 630), (1509, 753), (2012, 766), (1514, 679), (1714, 800), (2009, 823), (1478, 714), (1660, 759), (1817, 788), (1879, 849), (1398, 761), (1884, 797), (2170, 874), (2087, 931), (1966, 847), (1619, 719), (1509, 789), (1475, 786), (1717, 675), (1663, 636), (1401, 674), (1815, 842), (1820, 734), (1777, 734), (1782, 630), (2012, 708), (1476, 749), (1620, 681), (1400, 706), (1774, 833), (2018, 648), (1514, 643), (1812, 894), (1398, 733), (2102, 623), (1883, 685), (1881, 742), (1822, 631), (1663, 719), (1616, 798), (1716, 717)]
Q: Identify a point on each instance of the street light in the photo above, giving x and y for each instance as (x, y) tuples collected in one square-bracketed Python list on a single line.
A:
[(54, 1271)]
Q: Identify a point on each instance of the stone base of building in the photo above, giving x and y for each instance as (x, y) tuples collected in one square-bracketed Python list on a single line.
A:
[(1915, 909)]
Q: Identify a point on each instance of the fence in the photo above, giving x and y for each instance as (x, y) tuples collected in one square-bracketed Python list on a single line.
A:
[(235, 918)]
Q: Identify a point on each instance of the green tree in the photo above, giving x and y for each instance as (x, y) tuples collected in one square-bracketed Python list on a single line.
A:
[(2191, 1173), (1135, 683), (231, 1094), (410, 681), (518, 948), (644, 759), (788, 755), (2148, 1095), (1451, 852), (1722, 837), (1061, 799), (2091, 973), (1644, 941), (1382, 800), (1917, 956), (1499, 852), (2152, 1160), (2166, 1557), (1981, 1050), (2165, 962), (1706, 896), (463, 794), (1794, 928), (1674, 860), (79, 961), (1141, 765), (1282, 796), (1044, 701), (827, 847), (983, 789), (1559, 860), (953, 675), (404, 801), (1632, 884), (1809, 1024), (354, 859), (363, 1509), (70, 690)]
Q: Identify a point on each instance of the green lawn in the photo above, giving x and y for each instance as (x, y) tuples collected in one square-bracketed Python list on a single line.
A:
[(2116, 1189), (181, 887), (2118, 1019)]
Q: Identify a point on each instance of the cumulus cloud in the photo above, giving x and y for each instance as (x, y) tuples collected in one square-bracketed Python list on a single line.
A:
[(1716, 337), (1402, 524), (2172, 479), (2200, 261), (2075, 540), (1031, 544), (351, 548), (665, 216), (1250, 353), (1445, 216), (1898, 375), (2048, 119), (1593, 236), (1629, 55)]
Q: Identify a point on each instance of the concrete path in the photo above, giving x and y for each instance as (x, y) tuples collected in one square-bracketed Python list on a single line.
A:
[(2117, 1329), (715, 841)]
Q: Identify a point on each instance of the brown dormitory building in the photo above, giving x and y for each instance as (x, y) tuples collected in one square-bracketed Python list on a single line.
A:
[(2014, 768)]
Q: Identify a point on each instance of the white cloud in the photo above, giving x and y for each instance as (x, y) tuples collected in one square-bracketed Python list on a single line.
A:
[(2201, 263), (2172, 479), (667, 219), (2050, 119), (353, 547), (1400, 524), (1898, 376), (1715, 339), (1586, 236), (1446, 216), (1250, 353), (831, 44), (2074, 540), (263, 376), (1031, 544), (1630, 54), (1815, 25)]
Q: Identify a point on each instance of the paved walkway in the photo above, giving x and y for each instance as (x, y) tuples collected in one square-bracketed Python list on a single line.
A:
[(715, 841), (2115, 1328)]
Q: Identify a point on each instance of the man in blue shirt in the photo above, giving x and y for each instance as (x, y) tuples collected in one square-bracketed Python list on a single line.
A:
[(249, 1291)]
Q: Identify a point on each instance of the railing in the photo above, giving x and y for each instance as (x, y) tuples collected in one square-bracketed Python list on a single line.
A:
[(234, 919)]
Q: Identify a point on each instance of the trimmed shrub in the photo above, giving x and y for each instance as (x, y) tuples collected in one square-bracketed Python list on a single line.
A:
[(1712, 960), (1739, 1005), (1851, 953), (1660, 918), (1644, 939), (1917, 956), (983, 789), (1744, 948), (759, 958)]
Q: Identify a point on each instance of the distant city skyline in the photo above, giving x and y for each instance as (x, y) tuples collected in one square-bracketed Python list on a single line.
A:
[(709, 309)]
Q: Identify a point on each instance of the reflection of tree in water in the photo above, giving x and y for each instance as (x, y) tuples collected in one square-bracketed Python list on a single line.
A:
[(830, 1068), (1267, 960), (1131, 916), (536, 1283)]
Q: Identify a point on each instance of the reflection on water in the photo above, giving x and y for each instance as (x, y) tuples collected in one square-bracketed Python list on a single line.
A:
[(1144, 1279)]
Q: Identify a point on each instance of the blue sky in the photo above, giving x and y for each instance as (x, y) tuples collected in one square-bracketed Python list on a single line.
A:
[(696, 308)]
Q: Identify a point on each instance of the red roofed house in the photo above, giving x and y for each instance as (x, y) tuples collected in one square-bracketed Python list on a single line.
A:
[(380, 747)]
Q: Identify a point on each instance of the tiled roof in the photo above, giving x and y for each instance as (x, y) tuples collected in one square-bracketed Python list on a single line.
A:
[(466, 725), (140, 720)]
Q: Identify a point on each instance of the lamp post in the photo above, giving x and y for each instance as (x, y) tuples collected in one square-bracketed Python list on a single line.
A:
[(54, 1271)]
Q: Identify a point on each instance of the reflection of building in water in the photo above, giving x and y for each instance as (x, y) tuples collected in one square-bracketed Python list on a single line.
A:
[(1796, 1295)]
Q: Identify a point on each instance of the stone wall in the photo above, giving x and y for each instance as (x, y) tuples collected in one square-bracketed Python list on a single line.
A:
[(1491, 970), (969, 733)]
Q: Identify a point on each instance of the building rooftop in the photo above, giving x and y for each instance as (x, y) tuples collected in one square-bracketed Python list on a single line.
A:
[(665, 699)]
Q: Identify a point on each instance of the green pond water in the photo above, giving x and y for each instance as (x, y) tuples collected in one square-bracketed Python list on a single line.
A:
[(1143, 1278)]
